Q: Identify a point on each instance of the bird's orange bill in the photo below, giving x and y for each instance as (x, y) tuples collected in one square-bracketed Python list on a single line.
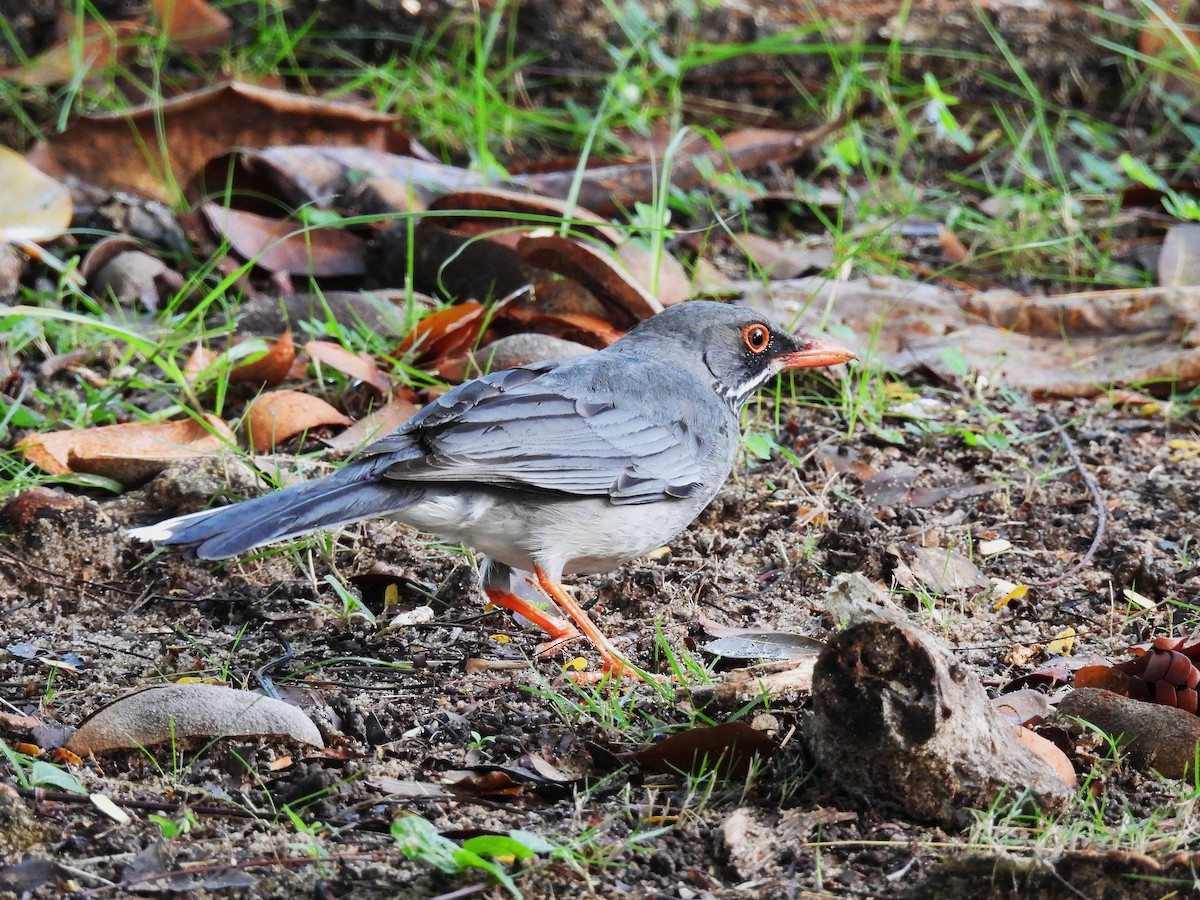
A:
[(815, 353)]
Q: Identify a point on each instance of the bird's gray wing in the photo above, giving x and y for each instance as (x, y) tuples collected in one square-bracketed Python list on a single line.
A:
[(554, 430)]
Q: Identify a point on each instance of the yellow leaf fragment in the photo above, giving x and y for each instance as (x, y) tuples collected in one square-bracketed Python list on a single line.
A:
[(1063, 642), (1006, 591), (1184, 449)]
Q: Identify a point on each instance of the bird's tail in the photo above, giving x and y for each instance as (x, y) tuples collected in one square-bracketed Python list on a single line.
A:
[(349, 495)]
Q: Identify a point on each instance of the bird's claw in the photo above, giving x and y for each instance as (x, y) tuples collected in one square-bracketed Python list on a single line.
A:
[(615, 667), (557, 642)]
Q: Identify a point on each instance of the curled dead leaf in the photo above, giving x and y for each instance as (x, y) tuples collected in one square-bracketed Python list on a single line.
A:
[(124, 270), (661, 274), (271, 368), (285, 245), (383, 420), (729, 749), (447, 332), (187, 713), (524, 208), (150, 149), (1049, 752), (356, 365), (275, 416), (608, 188), (581, 327), (198, 361), (128, 453), (596, 270), (97, 45)]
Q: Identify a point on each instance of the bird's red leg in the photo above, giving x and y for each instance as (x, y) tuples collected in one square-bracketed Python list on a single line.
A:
[(560, 631), (613, 661)]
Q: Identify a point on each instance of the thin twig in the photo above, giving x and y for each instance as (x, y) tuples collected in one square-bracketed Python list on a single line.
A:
[(1097, 501)]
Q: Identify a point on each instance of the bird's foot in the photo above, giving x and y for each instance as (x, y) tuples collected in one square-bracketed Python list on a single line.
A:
[(617, 667), (559, 632), (558, 641)]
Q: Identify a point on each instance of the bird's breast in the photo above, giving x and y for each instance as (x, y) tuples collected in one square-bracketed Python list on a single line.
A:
[(583, 535)]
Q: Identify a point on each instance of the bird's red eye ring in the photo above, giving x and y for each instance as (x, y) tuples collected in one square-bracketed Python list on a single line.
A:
[(757, 337)]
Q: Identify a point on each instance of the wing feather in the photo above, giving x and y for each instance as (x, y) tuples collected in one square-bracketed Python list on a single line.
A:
[(554, 428)]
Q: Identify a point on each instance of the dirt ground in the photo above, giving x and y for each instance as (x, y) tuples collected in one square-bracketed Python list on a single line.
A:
[(406, 705)]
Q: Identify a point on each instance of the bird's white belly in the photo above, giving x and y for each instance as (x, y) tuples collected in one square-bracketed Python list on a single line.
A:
[(583, 536)]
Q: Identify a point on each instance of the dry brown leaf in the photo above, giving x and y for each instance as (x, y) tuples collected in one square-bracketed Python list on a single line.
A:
[(662, 274), (198, 361), (596, 270), (275, 416), (270, 369), (125, 269), (128, 453), (729, 749), (126, 150), (1103, 677), (447, 332), (193, 24), (953, 249), (942, 570), (1049, 752), (187, 713), (759, 643), (356, 365), (382, 421), (607, 189), (284, 245), (409, 790), (524, 208), (302, 175), (35, 207), (1024, 706), (578, 326), (780, 261), (506, 352), (97, 45)]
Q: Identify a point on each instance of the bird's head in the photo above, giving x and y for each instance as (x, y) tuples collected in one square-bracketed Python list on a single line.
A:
[(740, 348)]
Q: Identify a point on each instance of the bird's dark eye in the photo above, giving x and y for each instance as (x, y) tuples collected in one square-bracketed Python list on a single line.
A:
[(757, 337)]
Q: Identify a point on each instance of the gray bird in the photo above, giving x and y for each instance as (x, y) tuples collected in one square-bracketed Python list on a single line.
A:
[(572, 465)]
